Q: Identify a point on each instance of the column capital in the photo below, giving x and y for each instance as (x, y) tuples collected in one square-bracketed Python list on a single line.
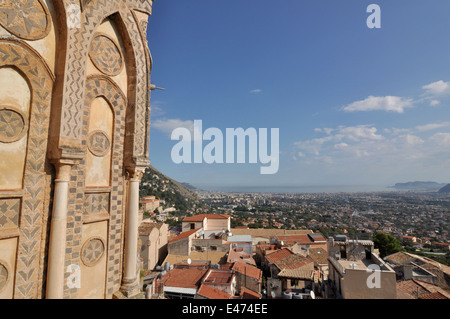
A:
[(135, 169)]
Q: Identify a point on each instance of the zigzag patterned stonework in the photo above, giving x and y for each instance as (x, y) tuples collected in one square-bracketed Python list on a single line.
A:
[(112, 35), (19, 55), (101, 86), (9, 213), (77, 50)]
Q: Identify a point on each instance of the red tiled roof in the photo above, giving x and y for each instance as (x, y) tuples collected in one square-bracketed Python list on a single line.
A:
[(292, 239), (218, 277), (435, 295), (146, 228), (293, 262), (212, 293), (248, 294), (278, 255), (184, 278), (184, 235), (248, 270), (201, 217)]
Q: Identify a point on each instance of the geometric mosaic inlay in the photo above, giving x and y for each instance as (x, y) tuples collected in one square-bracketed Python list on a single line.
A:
[(3, 276), (92, 251), (12, 125), (98, 143), (9, 213), (105, 55), (96, 203), (27, 19)]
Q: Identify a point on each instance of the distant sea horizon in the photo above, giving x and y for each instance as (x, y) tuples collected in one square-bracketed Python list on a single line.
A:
[(311, 189)]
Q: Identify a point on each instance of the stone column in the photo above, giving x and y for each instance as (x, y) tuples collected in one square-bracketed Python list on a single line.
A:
[(57, 244), (130, 281)]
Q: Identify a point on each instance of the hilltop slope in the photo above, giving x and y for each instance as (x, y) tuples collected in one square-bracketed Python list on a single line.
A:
[(172, 192)]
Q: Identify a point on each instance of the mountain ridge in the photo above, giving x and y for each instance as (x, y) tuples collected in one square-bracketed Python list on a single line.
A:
[(419, 185)]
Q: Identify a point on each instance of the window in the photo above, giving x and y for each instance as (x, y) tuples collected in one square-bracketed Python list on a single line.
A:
[(343, 252), (213, 248), (192, 225)]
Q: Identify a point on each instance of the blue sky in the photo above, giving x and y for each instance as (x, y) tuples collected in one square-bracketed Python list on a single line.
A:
[(355, 106)]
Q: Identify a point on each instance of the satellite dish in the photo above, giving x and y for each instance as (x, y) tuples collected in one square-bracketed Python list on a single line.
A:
[(189, 261), (282, 243), (313, 295)]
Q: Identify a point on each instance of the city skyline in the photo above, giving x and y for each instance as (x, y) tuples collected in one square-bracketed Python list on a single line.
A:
[(355, 106)]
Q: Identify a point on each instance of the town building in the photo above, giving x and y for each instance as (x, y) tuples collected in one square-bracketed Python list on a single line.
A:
[(150, 204), (409, 266), (356, 272), (154, 240)]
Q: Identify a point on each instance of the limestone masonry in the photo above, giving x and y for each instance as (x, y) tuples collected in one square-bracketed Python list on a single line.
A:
[(74, 131)]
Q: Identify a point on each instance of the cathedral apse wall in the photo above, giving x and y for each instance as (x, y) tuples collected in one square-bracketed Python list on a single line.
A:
[(74, 132)]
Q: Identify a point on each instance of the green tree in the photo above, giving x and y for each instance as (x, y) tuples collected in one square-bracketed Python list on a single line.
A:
[(387, 244)]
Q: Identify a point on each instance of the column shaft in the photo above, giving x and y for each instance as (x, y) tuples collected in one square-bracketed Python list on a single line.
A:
[(57, 244)]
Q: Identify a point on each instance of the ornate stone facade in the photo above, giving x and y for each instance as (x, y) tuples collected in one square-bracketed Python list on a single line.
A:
[(74, 132)]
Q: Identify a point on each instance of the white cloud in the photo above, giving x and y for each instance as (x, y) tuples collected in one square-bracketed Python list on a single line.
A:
[(380, 103), (408, 139), (357, 133), (256, 91), (437, 88), (432, 126), (167, 126), (441, 139), (435, 102)]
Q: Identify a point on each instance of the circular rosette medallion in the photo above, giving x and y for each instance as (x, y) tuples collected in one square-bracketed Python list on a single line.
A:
[(13, 125), (3, 276), (92, 251), (106, 55), (98, 143), (26, 19)]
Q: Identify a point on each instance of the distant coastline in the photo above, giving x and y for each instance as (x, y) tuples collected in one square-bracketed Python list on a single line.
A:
[(297, 189)]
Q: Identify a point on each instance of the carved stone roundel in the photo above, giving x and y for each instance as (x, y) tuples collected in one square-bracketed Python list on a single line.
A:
[(26, 19), (3, 276), (13, 125), (106, 55), (92, 251), (98, 143)]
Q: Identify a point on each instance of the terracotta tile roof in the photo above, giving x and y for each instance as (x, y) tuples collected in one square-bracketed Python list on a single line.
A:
[(201, 217), (184, 235), (435, 295), (236, 255), (319, 255), (218, 277), (278, 255), (248, 270), (249, 294), (399, 258), (146, 228), (215, 257), (184, 278), (212, 293), (297, 274), (292, 239), (410, 289), (293, 262), (268, 233)]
